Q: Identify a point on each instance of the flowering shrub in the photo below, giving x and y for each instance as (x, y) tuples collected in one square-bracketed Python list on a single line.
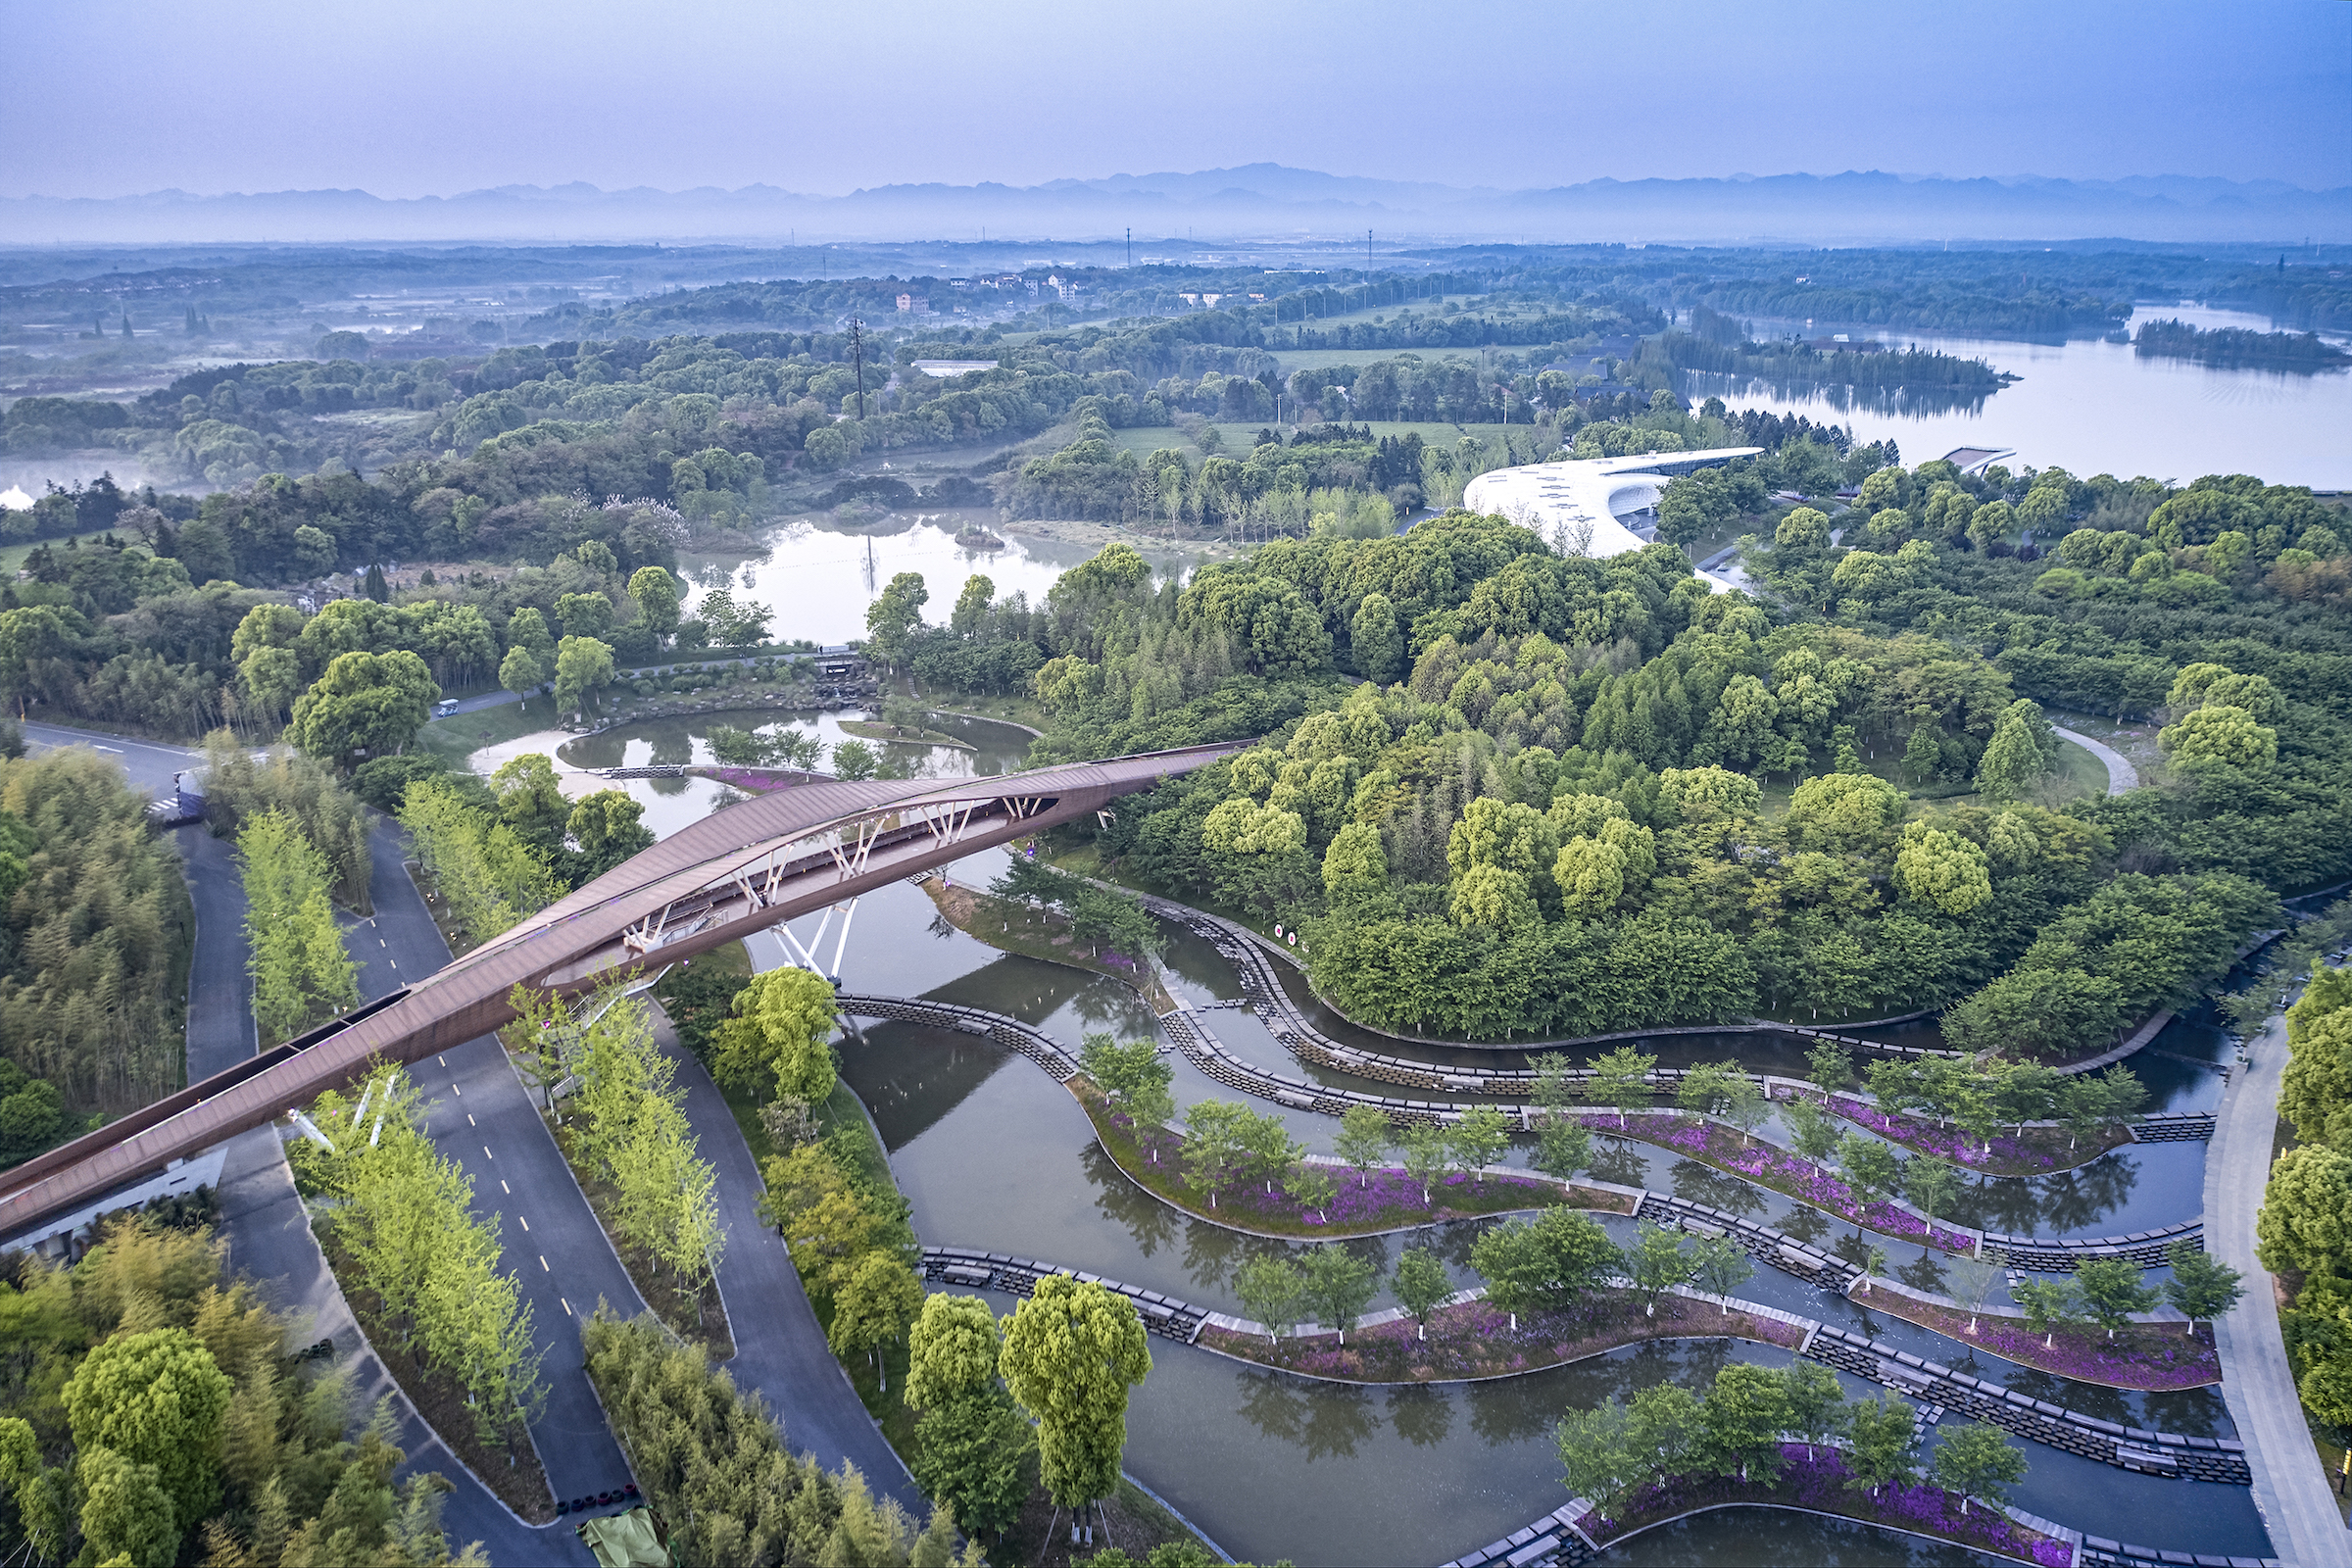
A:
[(2142, 1357), (1817, 1478), (2009, 1155), (1389, 1200), (1770, 1166)]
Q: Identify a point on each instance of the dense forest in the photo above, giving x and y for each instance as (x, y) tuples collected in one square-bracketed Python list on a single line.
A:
[(1507, 791)]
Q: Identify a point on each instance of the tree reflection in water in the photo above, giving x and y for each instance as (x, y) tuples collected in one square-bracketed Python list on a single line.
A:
[(1123, 1202), (2071, 1202), (1422, 1416), (1807, 1225), (1616, 1160), (1704, 1184), (1326, 1420)]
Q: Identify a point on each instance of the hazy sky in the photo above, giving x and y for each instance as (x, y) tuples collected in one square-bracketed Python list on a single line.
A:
[(413, 97)]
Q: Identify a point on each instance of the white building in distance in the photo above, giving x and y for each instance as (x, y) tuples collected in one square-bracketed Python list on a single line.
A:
[(1596, 506)]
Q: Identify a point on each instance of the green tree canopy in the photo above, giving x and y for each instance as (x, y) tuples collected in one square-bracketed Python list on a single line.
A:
[(1071, 1353), (364, 703)]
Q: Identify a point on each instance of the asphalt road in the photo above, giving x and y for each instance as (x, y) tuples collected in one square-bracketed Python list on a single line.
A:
[(264, 1224), (2290, 1487), (480, 1115)]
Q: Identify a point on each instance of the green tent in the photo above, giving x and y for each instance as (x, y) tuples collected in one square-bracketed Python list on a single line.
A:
[(625, 1541)]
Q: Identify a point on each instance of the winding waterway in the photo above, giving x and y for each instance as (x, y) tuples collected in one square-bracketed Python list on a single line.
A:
[(992, 1153)]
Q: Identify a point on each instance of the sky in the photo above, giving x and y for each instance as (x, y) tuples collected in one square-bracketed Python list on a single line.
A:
[(422, 97)]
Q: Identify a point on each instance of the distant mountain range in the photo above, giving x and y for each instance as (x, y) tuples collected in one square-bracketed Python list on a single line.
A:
[(1263, 201)]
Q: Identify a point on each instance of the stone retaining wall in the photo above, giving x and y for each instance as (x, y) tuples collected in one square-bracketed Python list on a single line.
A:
[(1164, 1315), (2163, 1454)]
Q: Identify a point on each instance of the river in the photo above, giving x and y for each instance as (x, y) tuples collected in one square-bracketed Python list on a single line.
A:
[(992, 1153), (2093, 407)]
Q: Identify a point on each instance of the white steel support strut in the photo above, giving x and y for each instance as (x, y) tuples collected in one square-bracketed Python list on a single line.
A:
[(842, 945), (808, 963)]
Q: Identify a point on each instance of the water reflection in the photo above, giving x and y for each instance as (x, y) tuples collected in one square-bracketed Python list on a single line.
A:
[(1730, 1536), (1422, 1416)]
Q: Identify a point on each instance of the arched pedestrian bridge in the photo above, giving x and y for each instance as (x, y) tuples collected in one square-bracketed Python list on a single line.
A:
[(746, 868)]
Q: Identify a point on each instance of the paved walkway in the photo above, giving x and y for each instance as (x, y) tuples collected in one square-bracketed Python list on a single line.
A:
[(2289, 1486), (2121, 774), (779, 1348)]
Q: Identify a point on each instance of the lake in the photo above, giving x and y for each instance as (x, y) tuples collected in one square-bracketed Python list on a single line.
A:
[(2093, 407)]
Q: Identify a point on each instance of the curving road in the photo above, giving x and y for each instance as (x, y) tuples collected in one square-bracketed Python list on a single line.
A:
[(2290, 1487), (2121, 774)]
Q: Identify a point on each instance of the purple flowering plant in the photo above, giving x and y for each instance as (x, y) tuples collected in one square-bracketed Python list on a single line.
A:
[(1818, 1479)]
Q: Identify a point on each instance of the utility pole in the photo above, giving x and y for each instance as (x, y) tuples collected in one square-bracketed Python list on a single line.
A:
[(1131, 247), (857, 349)]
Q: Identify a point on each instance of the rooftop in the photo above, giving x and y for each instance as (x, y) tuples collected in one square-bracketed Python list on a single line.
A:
[(1563, 500)]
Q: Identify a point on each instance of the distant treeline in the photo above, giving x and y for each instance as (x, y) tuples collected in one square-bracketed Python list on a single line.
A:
[(2237, 347), (1797, 363)]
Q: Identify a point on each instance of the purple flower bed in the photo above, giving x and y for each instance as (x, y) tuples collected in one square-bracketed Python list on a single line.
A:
[(2138, 1358), (1777, 1169), (757, 780), (1819, 1481), (1389, 1198), (2008, 1154)]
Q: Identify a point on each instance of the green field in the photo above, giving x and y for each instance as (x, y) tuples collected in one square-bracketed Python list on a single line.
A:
[(1323, 359)]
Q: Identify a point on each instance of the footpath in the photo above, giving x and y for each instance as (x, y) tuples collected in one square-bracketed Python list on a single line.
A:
[(2289, 1486)]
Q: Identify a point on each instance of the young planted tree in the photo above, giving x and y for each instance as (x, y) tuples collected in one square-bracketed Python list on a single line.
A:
[(1268, 1147), (1420, 1283), (1425, 1155), (1813, 1129), (1338, 1283), (1880, 1433), (1545, 1264), (1563, 1145), (1270, 1289), (1704, 1087), (1311, 1186), (1656, 1263), (878, 1303), (1720, 1264), (2112, 1291), (1620, 1080), (1740, 1422), (1599, 1460), (1976, 1462), (2049, 1306), (1930, 1183), (1071, 1353), (1830, 1066), (1363, 1141), (1213, 1146), (2201, 1287), (1971, 1281), (1815, 1404), (1872, 1169), (1476, 1141)]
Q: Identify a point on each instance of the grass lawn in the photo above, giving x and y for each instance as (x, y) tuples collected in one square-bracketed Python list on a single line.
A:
[(1478, 1338), (457, 736), (921, 737), (2080, 772)]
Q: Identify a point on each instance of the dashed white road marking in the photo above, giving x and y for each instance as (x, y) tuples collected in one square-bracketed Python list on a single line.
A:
[(543, 1268)]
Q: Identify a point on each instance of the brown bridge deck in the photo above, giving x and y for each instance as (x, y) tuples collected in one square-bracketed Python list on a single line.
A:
[(754, 865)]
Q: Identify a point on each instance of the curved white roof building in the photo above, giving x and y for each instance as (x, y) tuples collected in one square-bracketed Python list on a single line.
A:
[(1583, 505)]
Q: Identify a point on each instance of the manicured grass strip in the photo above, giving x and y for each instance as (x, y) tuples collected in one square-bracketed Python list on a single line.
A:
[(2160, 1358), (1475, 1339)]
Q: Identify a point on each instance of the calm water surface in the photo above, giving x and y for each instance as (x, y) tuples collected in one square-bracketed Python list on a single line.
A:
[(990, 1153), (2093, 407)]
